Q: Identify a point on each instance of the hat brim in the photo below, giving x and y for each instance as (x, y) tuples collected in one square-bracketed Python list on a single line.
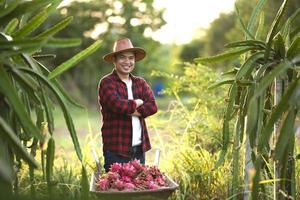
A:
[(139, 54)]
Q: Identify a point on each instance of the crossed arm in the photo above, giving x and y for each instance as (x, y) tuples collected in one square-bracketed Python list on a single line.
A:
[(138, 102), (138, 107)]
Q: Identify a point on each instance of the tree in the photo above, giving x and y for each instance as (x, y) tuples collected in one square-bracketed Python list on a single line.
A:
[(227, 28), (192, 50), (110, 20)]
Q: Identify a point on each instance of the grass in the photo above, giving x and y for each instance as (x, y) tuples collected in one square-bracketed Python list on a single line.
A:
[(191, 166), (88, 126)]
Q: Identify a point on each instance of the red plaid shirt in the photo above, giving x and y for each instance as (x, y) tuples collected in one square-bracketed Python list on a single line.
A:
[(116, 109)]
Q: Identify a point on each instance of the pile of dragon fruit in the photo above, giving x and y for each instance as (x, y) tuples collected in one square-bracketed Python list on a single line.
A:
[(131, 176)]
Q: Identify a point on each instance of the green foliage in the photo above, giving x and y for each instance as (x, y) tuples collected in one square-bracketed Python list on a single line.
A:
[(253, 107), (65, 182), (192, 168), (188, 133), (27, 96), (107, 20), (228, 27), (15, 144), (77, 58)]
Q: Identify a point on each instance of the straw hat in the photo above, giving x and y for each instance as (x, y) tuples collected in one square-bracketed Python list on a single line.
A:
[(122, 45)]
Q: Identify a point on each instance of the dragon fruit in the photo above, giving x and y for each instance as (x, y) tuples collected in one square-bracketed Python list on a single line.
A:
[(132, 176)]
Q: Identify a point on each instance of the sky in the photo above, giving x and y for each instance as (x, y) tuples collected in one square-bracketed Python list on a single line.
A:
[(185, 17)]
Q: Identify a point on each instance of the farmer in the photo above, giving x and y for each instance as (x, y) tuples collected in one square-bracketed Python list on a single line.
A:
[(125, 101)]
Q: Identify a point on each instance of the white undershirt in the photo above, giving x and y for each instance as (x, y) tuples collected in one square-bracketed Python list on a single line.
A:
[(136, 124)]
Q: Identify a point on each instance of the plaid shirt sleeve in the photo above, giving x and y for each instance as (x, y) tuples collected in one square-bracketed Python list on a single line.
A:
[(149, 107), (110, 99)]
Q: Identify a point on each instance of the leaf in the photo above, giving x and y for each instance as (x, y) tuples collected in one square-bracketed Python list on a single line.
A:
[(230, 72), (9, 135), (74, 60), (5, 172), (245, 30), (248, 66), (11, 26), (257, 10), (279, 46), (84, 184), (50, 160), (58, 86), (25, 7), (66, 113), (221, 82), (269, 78), (29, 85), (295, 16), (227, 117), (53, 30), (286, 133), (230, 105), (63, 42), (282, 106), (249, 43), (252, 117), (45, 71), (31, 63), (53, 6), (22, 43), (274, 27), (224, 56), (262, 71), (66, 95), (10, 53), (221, 159), (261, 114), (33, 24), (244, 82), (256, 178), (286, 32), (9, 7), (242, 113), (295, 32), (294, 48), (48, 110), (20, 46), (10, 93), (43, 56), (261, 24)]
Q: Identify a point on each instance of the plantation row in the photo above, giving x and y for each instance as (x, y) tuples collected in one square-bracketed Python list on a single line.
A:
[(252, 154)]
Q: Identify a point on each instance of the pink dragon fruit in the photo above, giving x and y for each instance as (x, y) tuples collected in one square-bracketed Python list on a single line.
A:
[(131, 176), (116, 167), (103, 184)]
